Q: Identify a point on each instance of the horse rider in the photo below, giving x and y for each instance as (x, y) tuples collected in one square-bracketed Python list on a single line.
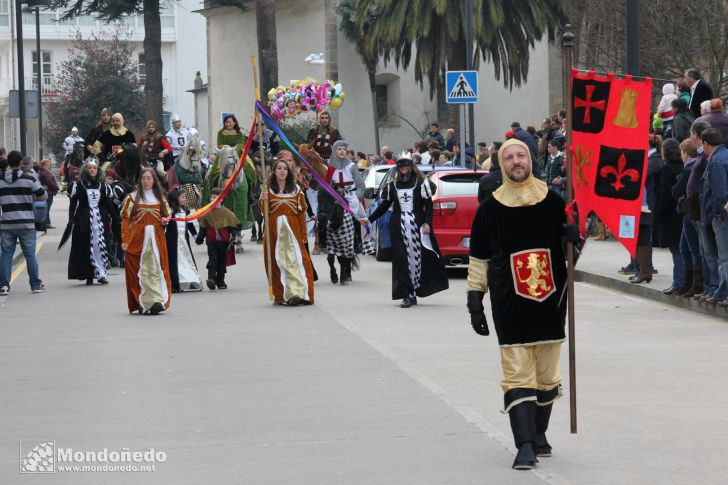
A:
[(177, 136)]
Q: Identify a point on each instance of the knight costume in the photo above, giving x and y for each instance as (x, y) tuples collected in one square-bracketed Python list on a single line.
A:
[(347, 181), (516, 252)]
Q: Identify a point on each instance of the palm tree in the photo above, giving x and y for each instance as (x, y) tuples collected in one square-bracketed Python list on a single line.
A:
[(503, 31), (357, 35), (265, 19)]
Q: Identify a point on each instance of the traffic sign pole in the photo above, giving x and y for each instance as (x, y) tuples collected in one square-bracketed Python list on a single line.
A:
[(462, 134), (469, 65)]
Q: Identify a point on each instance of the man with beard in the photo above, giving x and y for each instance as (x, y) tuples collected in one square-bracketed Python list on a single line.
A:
[(111, 141), (516, 251)]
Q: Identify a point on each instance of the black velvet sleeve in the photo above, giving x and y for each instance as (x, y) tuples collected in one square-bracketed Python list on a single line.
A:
[(73, 201), (479, 238), (427, 206), (387, 200)]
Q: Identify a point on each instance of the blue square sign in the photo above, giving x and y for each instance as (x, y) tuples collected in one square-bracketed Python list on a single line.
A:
[(462, 86)]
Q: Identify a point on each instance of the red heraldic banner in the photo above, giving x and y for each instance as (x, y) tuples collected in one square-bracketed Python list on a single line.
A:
[(610, 121)]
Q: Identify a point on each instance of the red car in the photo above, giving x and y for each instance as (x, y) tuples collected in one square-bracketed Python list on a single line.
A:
[(454, 204)]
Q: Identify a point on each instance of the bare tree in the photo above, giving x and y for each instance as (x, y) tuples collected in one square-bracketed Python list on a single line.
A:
[(675, 35)]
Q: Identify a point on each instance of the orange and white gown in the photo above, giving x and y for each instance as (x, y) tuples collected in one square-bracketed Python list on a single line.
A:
[(145, 259), (292, 270)]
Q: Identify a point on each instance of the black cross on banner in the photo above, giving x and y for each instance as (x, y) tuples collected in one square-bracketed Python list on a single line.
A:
[(589, 105)]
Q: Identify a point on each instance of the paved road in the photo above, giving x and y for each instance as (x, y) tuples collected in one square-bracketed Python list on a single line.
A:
[(353, 390)]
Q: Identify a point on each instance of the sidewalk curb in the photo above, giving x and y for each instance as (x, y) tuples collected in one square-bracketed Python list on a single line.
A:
[(651, 293)]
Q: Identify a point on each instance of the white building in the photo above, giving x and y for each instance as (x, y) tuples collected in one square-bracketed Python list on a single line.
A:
[(183, 53), (232, 41)]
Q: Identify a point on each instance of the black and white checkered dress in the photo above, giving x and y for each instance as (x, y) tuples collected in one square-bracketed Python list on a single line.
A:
[(410, 236), (341, 241)]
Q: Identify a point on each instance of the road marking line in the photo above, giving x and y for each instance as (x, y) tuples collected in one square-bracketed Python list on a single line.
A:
[(21, 266)]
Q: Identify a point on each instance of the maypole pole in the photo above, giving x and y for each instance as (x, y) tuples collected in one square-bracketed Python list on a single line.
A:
[(264, 172), (567, 43)]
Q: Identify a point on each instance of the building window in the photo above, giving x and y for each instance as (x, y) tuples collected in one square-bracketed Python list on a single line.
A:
[(382, 99), (4, 13), (141, 68), (166, 13), (45, 64), (387, 98)]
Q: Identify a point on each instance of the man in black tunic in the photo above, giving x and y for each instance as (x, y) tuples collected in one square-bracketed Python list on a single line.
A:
[(516, 251), (111, 141)]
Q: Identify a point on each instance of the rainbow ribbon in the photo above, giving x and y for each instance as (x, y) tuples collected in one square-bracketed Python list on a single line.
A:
[(323, 183), (203, 211)]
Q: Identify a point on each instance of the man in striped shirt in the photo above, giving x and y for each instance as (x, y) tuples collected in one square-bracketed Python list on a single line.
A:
[(18, 191)]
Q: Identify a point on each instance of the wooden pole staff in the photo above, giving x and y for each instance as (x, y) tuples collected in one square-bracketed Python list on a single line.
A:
[(567, 43), (264, 173)]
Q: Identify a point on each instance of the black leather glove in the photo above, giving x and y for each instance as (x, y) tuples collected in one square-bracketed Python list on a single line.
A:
[(477, 313), (570, 233), (200, 238)]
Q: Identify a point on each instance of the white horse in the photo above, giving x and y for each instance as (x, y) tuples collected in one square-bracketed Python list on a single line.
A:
[(227, 162), (189, 159)]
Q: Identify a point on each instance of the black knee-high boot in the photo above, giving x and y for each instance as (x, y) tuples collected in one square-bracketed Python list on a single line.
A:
[(334, 277), (523, 424), (545, 403), (345, 264), (543, 414)]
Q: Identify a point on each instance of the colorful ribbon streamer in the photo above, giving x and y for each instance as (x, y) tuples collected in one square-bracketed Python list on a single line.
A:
[(203, 211), (322, 183)]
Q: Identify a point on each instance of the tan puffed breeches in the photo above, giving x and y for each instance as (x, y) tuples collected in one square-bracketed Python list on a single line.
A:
[(531, 366)]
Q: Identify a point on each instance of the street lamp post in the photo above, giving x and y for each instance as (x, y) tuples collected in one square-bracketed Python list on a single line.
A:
[(633, 37), (21, 75), (21, 71), (40, 84), (469, 67)]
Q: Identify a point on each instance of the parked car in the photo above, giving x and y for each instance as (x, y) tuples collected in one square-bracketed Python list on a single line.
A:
[(381, 226), (454, 203), (373, 177)]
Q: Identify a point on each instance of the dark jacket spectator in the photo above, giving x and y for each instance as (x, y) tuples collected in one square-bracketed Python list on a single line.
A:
[(668, 223), (717, 118), (654, 164), (700, 90), (434, 135), (683, 120), (491, 181), (527, 138), (714, 184), (48, 180)]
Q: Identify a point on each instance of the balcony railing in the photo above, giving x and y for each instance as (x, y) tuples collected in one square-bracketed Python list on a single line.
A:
[(47, 84)]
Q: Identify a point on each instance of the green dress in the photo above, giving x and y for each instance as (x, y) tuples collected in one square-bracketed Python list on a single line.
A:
[(236, 200)]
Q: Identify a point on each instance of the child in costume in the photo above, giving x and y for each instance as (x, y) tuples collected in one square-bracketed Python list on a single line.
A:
[(219, 228)]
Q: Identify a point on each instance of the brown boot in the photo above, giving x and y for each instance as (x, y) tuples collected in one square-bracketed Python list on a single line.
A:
[(687, 282), (645, 274), (697, 286)]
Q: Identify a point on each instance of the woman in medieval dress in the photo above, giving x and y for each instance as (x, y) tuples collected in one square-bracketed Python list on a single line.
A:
[(90, 216), (143, 215), (292, 272), (182, 265), (417, 268)]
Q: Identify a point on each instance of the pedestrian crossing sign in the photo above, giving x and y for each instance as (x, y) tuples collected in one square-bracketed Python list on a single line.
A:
[(462, 86)]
